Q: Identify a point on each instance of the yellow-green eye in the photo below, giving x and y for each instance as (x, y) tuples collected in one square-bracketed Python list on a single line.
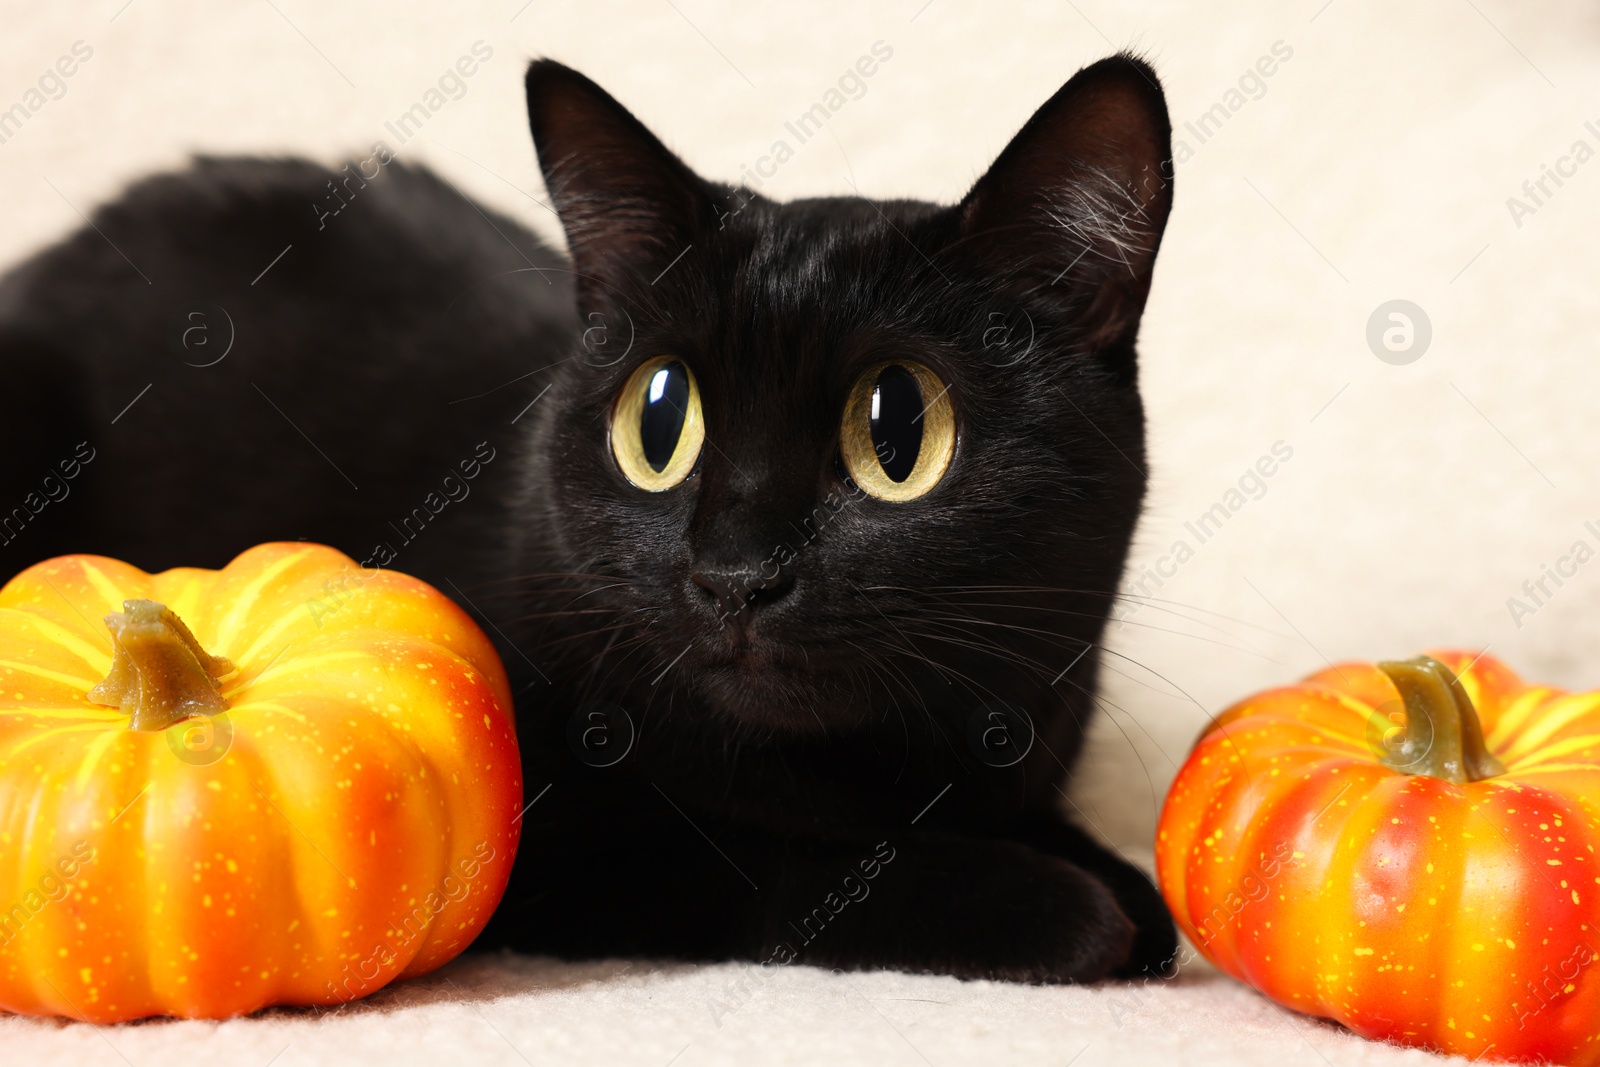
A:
[(656, 428), (899, 431)]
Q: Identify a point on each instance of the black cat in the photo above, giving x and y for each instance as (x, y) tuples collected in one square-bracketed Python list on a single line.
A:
[(798, 524)]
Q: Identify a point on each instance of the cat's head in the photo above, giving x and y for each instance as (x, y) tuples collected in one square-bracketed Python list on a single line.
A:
[(819, 459)]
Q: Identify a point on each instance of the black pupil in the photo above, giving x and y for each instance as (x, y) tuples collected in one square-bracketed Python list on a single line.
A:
[(666, 405), (897, 422)]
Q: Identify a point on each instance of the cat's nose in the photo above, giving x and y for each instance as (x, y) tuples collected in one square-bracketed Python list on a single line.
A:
[(740, 592)]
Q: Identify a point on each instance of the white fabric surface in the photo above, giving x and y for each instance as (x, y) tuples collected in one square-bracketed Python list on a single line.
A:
[(1375, 164), (516, 1010)]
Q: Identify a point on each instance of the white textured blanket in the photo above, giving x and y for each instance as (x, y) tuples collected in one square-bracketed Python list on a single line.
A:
[(511, 1010)]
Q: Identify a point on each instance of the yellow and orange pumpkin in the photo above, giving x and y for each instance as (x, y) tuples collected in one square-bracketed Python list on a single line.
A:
[(288, 781), (1408, 848)]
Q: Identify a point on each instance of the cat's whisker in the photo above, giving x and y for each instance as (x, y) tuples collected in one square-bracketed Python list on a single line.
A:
[(1003, 653), (1210, 715), (541, 584), (564, 613), (1106, 703), (994, 649), (886, 668), (1168, 607), (1141, 599), (545, 645), (1155, 792), (632, 642), (972, 620), (945, 593), (512, 578), (971, 684), (1142, 625), (599, 681), (940, 669), (1102, 647), (602, 589), (905, 726)]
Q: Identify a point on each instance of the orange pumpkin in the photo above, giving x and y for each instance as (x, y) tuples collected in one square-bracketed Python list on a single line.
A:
[(289, 781), (1408, 848)]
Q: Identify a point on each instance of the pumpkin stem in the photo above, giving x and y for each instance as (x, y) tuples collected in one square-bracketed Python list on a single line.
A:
[(1442, 737), (159, 673)]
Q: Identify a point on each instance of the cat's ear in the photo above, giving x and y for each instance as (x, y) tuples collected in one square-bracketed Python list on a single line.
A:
[(628, 205), (1077, 202)]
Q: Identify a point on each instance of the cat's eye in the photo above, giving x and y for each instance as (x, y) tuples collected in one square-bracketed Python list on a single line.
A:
[(656, 426), (899, 431)]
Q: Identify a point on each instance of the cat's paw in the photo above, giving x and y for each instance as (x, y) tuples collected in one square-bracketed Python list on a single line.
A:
[(1154, 952), (979, 909), (1045, 920)]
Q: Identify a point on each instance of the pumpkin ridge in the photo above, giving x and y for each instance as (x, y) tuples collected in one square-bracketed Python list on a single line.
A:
[(113, 594), (1554, 768), (424, 779), (88, 713), (286, 665), (41, 736), (1515, 713), (268, 634), (1558, 713), (92, 755), (186, 598), (95, 657), (1348, 814), (49, 675), (1553, 749), (272, 707), (227, 630)]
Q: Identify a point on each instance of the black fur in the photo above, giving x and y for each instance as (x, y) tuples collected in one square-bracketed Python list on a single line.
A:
[(831, 780)]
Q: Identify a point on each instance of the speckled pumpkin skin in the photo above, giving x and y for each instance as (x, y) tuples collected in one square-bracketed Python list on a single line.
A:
[(1462, 918), (359, 828)]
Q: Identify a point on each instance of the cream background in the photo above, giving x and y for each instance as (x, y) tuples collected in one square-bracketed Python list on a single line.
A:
[(1376, 166)]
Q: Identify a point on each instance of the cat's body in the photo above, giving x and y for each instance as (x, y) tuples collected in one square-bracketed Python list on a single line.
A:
[(323, 399), (764, 713)]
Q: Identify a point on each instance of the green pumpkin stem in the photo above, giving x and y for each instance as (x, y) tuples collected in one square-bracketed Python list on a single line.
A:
[(1443, 737), (159, 673)]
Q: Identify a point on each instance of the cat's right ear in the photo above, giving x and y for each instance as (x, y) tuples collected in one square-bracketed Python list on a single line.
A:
[(628, 205)]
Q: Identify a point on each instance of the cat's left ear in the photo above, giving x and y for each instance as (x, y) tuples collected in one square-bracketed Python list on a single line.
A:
[(628, 205), (1077, 202)]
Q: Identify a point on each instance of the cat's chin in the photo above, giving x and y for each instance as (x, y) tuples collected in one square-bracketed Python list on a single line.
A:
[(777, 697)]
